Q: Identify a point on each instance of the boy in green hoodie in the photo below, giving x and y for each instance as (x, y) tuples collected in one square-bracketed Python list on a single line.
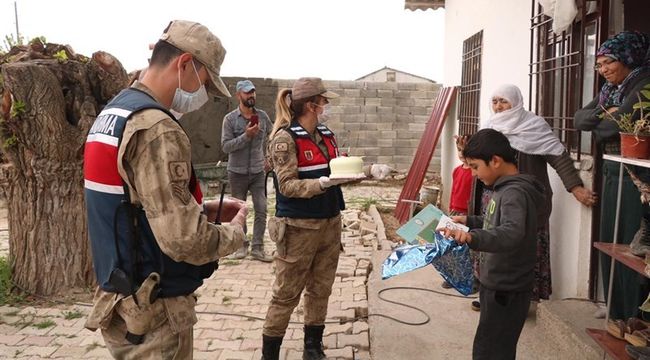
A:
[(507, 237)]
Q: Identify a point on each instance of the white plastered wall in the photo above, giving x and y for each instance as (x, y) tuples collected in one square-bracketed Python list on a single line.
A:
[(505, 59)]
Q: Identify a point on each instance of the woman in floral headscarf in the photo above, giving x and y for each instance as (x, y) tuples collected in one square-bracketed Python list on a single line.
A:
[(624, 62)]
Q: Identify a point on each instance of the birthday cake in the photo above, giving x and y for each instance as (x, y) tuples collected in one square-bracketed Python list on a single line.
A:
[(346, 167)]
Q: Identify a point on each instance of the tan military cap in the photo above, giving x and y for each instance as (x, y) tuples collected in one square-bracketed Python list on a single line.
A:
[(310, 86), (197, 40)]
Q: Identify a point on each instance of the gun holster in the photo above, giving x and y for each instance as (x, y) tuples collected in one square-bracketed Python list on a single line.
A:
[(141, 312)]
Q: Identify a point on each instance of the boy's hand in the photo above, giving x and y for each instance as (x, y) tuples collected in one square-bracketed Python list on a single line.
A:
[(459, 219), (459, 236)]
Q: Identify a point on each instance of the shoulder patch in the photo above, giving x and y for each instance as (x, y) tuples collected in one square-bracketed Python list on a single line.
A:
[(179, 170), (281, 146)]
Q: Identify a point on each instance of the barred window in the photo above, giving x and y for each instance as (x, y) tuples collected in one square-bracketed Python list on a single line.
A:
[(562, 77), (470, 85)]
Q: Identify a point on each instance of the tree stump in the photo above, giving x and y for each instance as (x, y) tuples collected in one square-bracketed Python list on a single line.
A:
[(50, 98)]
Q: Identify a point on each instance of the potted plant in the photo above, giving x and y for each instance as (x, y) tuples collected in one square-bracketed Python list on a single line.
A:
[(635, 134)]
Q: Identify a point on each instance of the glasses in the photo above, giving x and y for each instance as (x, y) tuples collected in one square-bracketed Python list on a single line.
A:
[(607, 62)]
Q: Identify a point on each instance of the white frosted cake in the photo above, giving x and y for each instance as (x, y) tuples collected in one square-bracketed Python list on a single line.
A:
[(346, 167)]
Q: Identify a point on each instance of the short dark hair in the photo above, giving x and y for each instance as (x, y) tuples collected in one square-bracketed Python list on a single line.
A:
[(487, 143), (164, 52)]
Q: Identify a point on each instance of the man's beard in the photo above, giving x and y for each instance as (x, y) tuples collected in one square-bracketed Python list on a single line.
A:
[(249, 103)]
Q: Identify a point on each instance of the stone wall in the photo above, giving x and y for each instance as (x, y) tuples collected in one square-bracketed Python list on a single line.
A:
[(381, 121)]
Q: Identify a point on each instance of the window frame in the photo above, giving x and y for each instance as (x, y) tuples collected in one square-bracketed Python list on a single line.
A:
[(470, 86)]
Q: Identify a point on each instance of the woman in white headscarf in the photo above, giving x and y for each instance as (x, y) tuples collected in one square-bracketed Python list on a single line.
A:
[(537, 146)]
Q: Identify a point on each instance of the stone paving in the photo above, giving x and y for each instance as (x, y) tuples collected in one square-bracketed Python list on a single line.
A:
[(238, 287)]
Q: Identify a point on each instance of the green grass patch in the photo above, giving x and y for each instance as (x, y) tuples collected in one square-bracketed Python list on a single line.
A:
[(74, 314), (225, 300), (7, 297), (44, 324), (365, 205), (362, 202)]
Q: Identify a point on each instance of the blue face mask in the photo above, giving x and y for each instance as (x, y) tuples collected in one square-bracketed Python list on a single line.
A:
[(185, 101)]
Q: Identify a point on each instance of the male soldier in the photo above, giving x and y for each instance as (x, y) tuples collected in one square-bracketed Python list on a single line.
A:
[(243, 138), (151, 245)]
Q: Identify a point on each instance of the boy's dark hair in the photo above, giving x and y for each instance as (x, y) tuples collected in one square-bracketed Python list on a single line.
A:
[(487, 143)]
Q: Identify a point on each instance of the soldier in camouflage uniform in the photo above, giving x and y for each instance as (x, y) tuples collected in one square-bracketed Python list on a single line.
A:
[(151, 244), (307, 224)]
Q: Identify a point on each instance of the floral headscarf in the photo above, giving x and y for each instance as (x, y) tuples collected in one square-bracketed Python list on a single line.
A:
[(632, 48)]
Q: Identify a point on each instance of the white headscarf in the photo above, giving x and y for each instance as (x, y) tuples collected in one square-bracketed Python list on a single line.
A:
[(527, 132)]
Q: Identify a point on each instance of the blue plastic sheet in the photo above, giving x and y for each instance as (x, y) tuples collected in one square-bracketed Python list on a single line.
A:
[(449, 258)]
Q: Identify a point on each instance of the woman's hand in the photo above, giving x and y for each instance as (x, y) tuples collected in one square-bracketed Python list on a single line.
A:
[(584, 195)]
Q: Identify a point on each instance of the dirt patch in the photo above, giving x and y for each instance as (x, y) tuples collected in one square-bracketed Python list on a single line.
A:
[(63, 300), (391, 225)]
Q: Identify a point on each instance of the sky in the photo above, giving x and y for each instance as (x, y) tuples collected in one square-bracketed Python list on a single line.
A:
[(283, 39)]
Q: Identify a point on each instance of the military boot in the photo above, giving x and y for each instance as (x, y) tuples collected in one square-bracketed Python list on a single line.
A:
[(271, 347), (314, 343), (640, 244)]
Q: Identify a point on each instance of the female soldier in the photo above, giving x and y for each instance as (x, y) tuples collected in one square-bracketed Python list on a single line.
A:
[(624, 62), (307, 223)]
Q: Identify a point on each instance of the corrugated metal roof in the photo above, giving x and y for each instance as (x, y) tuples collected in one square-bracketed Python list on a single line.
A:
[(423, 4)]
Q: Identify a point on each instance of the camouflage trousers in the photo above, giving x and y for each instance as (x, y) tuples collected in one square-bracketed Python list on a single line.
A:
[(161, 343), (309, 263)]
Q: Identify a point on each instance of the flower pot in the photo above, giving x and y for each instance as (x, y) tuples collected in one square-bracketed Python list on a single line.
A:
[(635, 146)]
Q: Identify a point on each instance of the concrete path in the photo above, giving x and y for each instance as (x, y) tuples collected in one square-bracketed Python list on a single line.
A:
[(450, 332)]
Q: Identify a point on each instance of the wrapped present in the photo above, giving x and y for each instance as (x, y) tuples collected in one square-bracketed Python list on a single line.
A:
[(451, 260)]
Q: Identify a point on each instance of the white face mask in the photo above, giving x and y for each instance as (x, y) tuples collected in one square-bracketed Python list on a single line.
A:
[(176, 114), (326, 114), (185, 101)]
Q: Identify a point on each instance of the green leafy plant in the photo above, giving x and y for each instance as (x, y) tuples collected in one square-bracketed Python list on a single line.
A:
[(61, 55), (10, 141), (365, 205), (17, 108), (40, 39), (626, 122), (10, 41)]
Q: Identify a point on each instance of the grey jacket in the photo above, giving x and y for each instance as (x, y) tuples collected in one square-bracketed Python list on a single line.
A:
[(508, 234), (245, 156), (605, 130)]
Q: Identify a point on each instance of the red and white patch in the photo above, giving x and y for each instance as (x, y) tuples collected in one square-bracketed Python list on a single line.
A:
[(309, 155)]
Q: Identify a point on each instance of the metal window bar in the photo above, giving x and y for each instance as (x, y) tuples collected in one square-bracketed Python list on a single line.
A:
[(588, 30), (470, 88), (556, 70)]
